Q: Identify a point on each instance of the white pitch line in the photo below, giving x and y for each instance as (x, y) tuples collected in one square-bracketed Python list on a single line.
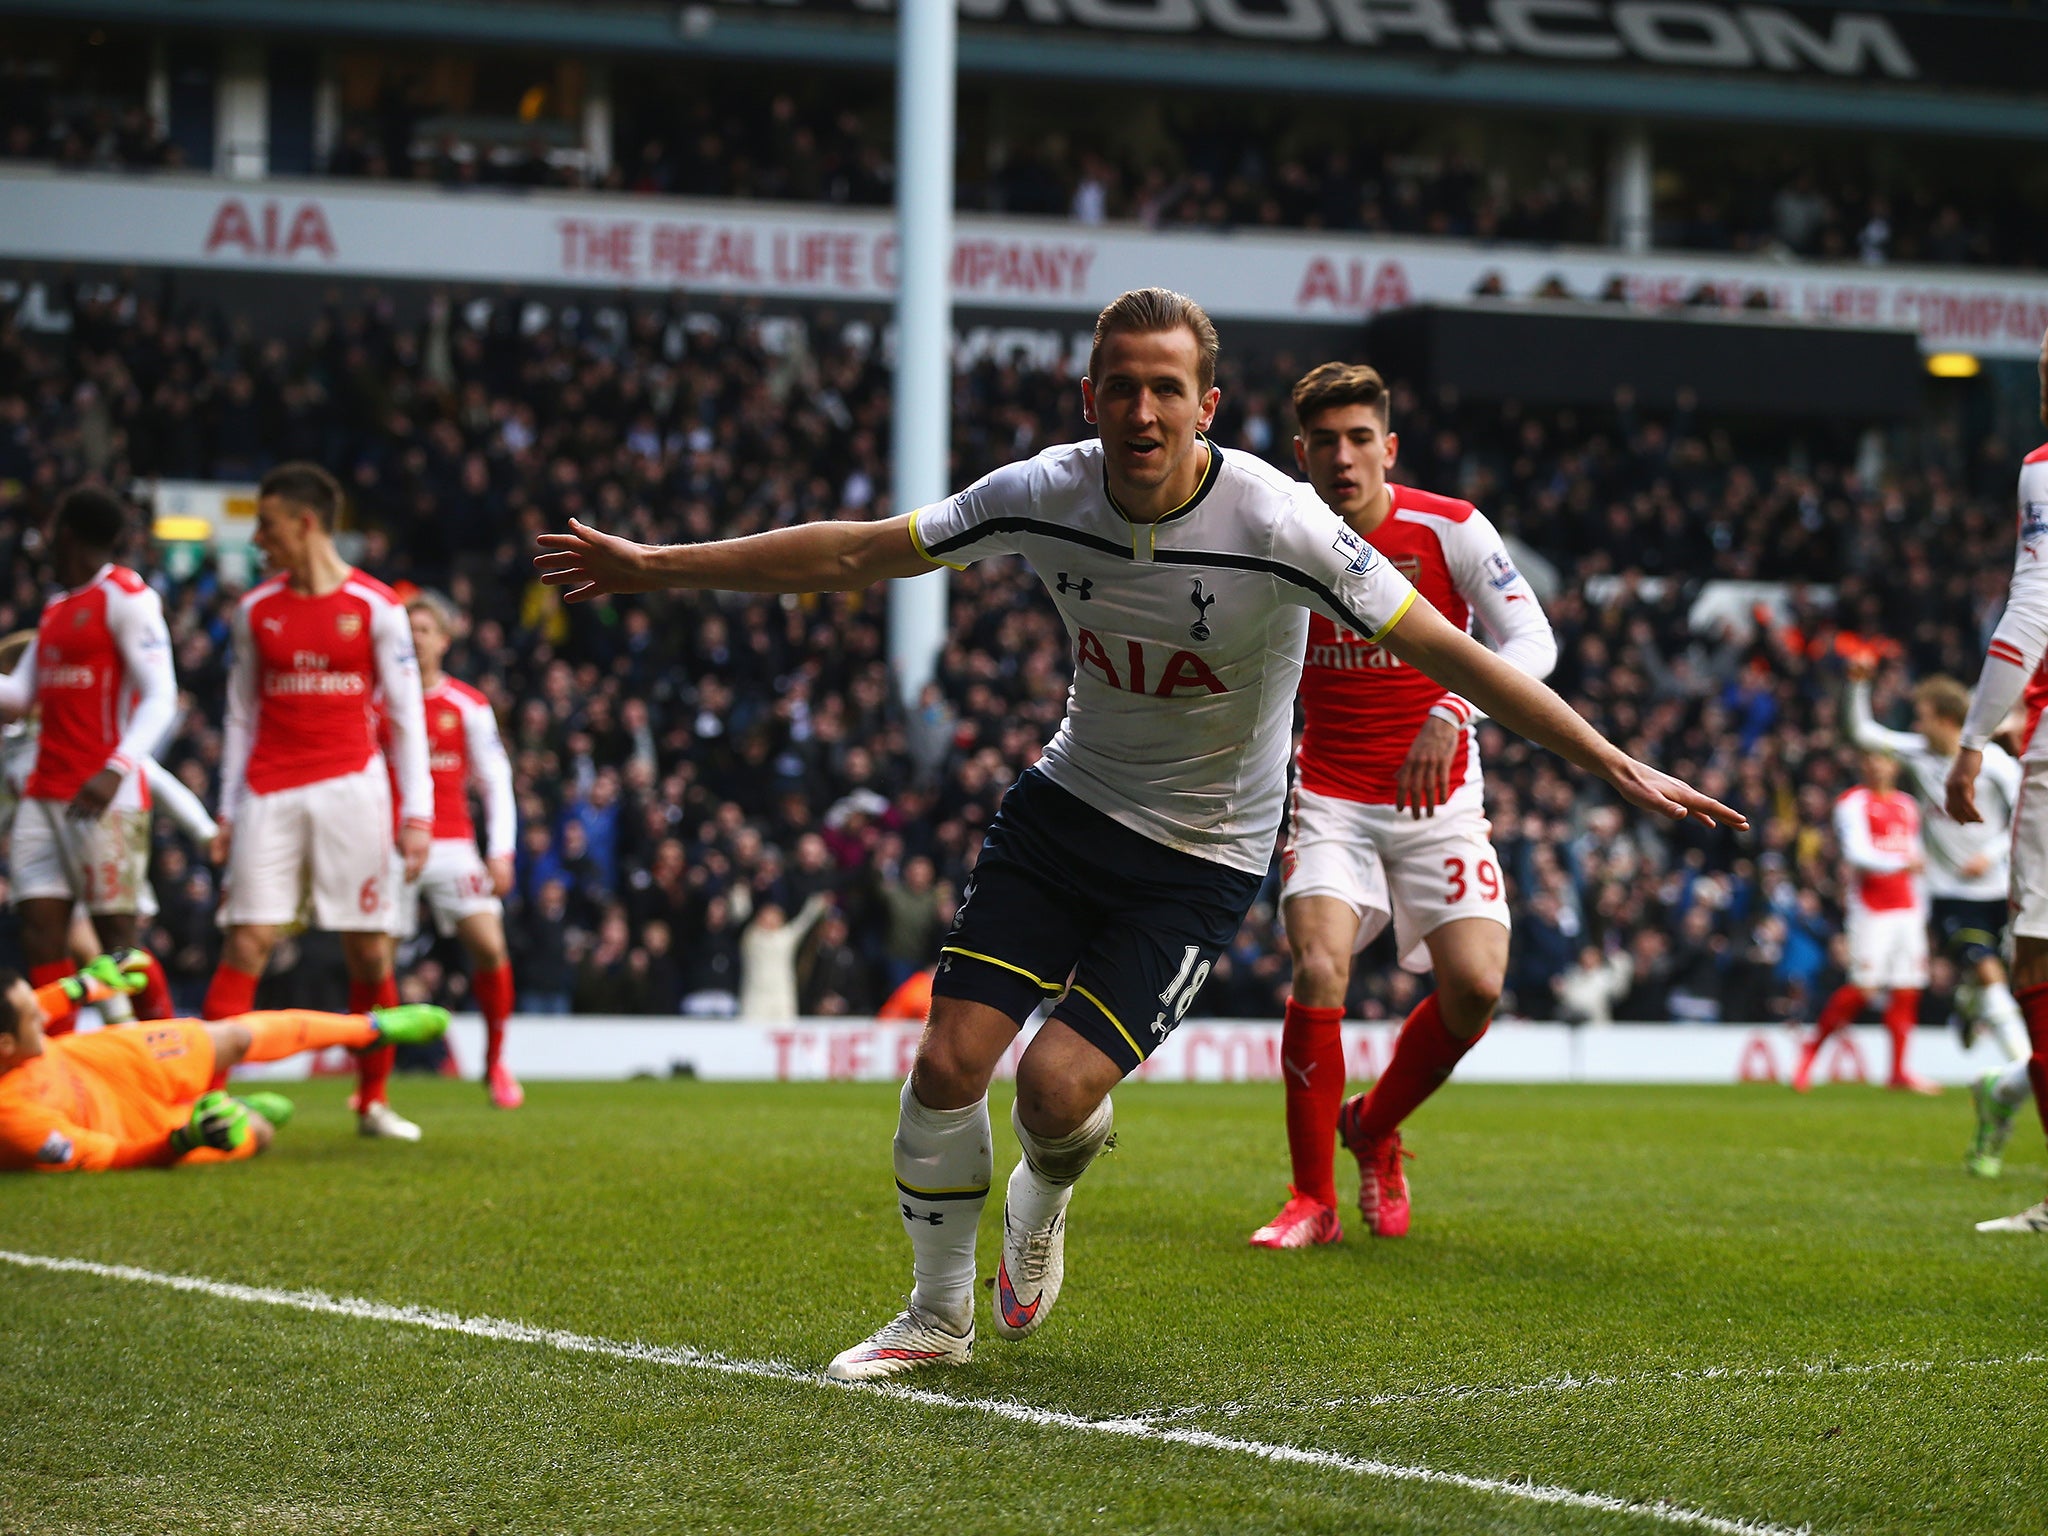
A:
[(1574, 1381), (505, 1330)]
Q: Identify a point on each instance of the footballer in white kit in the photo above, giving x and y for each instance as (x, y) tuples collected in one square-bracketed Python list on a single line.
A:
[(1388, 822), (2013, 666), (1117, 868), (1969, 868)]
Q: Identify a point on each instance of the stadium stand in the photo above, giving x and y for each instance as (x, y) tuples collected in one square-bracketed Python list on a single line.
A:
[(723, 783)]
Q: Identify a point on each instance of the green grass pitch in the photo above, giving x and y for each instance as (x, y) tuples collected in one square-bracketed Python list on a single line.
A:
[(1723, 1303)]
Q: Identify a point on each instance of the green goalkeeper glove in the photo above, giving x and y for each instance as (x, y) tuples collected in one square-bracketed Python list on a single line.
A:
[(217, 1121), (105, 977)]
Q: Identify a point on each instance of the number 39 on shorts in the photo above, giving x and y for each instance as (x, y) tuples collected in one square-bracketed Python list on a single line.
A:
[(1456, 886)]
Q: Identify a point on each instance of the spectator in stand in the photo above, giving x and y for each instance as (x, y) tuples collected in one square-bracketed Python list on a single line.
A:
[(1588, 992), (768, 951), (540, 952)]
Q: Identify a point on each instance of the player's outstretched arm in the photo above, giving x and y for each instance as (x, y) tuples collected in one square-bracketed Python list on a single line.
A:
[(815, 557), (1428, 642)]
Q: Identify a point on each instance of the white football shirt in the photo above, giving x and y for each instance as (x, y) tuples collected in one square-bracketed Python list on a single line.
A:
[(1188, 632)]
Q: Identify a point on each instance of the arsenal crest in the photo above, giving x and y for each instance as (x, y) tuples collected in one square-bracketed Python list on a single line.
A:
[(348, 625), (449, 720)]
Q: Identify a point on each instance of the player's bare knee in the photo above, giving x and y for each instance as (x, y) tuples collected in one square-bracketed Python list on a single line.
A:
[(1320, 975), (1467, 999), (366, 956), (1051, 1105), (943, 1076)]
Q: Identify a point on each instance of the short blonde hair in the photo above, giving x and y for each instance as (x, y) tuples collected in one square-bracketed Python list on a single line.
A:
[(445, 613), (1148, 311), (1949, 699)]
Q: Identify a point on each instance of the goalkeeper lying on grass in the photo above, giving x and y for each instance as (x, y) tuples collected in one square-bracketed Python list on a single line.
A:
[(138, 1096)]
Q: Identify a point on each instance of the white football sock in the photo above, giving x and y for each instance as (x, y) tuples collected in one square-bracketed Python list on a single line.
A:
[(1043, 1180), (1997, 1007), (2012, 1087), (944, 1163)]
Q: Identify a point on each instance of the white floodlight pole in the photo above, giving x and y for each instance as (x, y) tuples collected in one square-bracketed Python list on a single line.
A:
[(922, 433)]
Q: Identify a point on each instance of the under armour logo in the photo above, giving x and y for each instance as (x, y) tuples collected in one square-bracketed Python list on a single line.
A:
[(1084, 586), (1199, 630), (933, 1217), (1302, 1070)]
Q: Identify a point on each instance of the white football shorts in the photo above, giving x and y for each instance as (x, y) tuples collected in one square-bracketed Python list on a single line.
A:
[(330, 841), (103, 864), (2029, 894), (455, 884), (1886, 949), (1387, 865)]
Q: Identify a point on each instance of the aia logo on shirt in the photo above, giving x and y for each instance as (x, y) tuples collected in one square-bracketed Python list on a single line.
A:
[(1138, 669), (2033, 523), (348, 625)]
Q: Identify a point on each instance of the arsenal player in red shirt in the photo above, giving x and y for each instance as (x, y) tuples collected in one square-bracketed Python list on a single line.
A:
[(462, 888), (305, 800), (1388, 821), (99, 672)]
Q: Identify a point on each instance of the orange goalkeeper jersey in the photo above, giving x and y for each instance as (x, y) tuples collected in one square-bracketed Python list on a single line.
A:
[(106, 1100)]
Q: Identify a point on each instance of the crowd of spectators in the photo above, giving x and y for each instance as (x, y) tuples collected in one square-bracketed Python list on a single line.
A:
[(723, 806), (1226, 170)]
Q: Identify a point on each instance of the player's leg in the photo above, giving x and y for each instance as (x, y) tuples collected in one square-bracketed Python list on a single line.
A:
[(1450, 915), (46, 884), (262, 891), (1014, 940), (45, 943), (1163, 919), (2030, 958), (1470, 957), (1333, 901), (456, 887), (1322, 935), (1998, 1008), (1868, 965), (353, 896)]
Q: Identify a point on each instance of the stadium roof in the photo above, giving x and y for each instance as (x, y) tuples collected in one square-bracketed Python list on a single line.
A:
[(1963, 69)]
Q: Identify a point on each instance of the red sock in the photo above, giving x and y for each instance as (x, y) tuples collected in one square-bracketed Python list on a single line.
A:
[(1312, 1066), (231, 994), (2034, 1004), (1901, 1013), (493, 990), (154, 1000), (1424, 1054), (1841, 1010), (373, 1068), (40, 976)]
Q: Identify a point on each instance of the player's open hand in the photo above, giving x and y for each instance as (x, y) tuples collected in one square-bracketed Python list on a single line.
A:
[(591, 563), (1650, 789), (95, 795), (217, 850), (1962, 785), (1424, 781)]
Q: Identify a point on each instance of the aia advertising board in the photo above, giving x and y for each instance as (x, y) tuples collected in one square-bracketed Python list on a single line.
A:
[(320, 229)]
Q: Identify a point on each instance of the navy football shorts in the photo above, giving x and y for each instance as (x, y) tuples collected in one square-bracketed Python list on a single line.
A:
[(1066, 903)]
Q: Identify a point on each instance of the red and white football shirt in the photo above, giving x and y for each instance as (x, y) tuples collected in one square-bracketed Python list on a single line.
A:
[(464, 748), (1362, 705), (100, 668), (1880, 839), (2016, 662), (306, 669)]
